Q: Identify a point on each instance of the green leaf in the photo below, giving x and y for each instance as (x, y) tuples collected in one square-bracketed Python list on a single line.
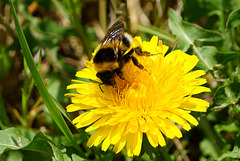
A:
[(224, 57), (16, 138), (234, 154), (195, 10), (233, 19), (77, 158), (237, 72), (12, 139), (233, 127), (39, 144), (220, 100), (207, 148), (52, 29), (23, 139), (209, 57), (188, 33), (63, 140), (15, 155), (58, 154), (229, 93), (52, 108), (35, 156)]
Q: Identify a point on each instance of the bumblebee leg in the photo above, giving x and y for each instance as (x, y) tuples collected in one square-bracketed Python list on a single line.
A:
[(138, 51), (128, 55), (120, 74), (135, 62), (100, 86)]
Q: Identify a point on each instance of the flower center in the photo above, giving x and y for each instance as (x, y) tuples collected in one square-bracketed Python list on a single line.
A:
[(132, 92)]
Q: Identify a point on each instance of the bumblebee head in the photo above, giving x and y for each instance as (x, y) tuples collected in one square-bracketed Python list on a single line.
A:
[(107, 77), (105, 55)]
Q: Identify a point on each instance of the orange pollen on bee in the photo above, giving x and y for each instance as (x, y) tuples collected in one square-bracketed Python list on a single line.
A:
[(110, 66)]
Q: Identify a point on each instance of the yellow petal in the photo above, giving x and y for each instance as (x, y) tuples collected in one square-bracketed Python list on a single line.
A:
[(117, 133), (98, 123), (137, 41), (160, 138), (186, 116), (129, 146), (190, 63), (180, 121), (194, 74), (88, 100), (195, 104), (153, 139), (119, 145), (200, 89), (137, 143), (97, 137), (154, 40), (190, 119), (86, 119), (165, 49), (86, 88), (106, 143), (170, 129), (86, 73), (151, 126), (132, 126), (77, 106), (143, 125)]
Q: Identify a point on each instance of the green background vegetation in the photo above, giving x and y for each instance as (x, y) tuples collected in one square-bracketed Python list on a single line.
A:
[(61, 35)]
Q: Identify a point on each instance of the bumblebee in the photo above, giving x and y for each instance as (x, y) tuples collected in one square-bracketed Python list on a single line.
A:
[(111, 56)]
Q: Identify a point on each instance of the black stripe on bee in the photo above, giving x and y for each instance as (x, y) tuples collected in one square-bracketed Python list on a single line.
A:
[(126, 41), (105, 55)]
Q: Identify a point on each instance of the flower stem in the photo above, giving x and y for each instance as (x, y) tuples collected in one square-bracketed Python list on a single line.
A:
[(212, 136), (165, 154)]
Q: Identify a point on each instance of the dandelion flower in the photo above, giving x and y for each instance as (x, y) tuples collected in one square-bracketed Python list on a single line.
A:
[(150, 101)]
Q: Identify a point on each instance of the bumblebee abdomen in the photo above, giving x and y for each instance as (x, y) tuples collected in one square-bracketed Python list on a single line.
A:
[(105, 55), (125, 43), (106, 66)]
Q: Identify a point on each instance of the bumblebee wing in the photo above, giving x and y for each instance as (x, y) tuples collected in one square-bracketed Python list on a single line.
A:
[(114, 35)]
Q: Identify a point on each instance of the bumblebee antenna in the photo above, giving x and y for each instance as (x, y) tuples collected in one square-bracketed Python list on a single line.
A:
[(100, 86)]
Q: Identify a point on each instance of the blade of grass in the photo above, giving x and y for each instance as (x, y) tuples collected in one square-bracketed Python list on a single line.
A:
[(30, 88), (156, 31), (83, 134), (24, 91), (61, 109), (3, 113), (27, 88), (41, 87)]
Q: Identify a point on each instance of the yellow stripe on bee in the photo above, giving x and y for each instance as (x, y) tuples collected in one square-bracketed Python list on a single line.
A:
[(100, 67)]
